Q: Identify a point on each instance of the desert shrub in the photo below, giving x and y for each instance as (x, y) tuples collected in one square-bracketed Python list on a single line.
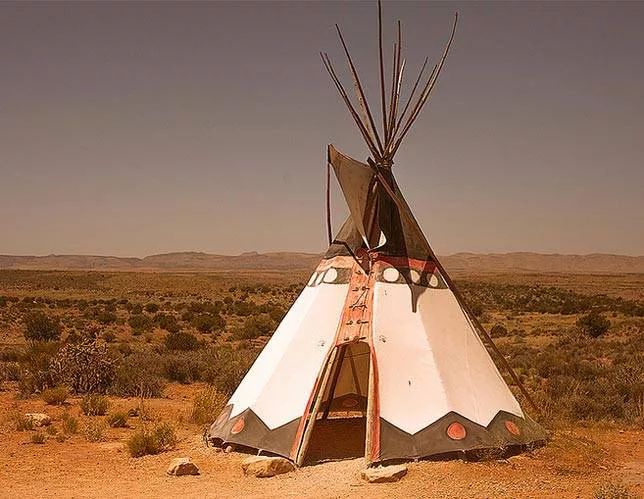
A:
[(581, 378), (593, 324), (10, 371), (243, 308), (276, 312), (106, 317), (35, 361), (70, 424), (167, 322), (227, 367), (136, 308), (94, 405), (498, 331), (94, 431), (139, 375), (151, 308), (85, 367), (259, 325), (9, 355), (51, 430), (149, 441), (140, 323), (38, 438), (55, 396), (109, 337), (207, 323), (40, 327), (20, 421), (207, 405), (542, 299), (184, 367), (612, 491), (182, 341), (117, 419)]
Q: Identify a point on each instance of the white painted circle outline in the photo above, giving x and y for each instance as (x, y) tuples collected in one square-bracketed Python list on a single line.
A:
[(390, 274)]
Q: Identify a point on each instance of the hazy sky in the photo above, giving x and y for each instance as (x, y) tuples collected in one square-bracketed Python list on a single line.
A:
[(139, 128)]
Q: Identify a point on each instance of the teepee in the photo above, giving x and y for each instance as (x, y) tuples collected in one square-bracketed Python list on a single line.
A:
[(380, 355)]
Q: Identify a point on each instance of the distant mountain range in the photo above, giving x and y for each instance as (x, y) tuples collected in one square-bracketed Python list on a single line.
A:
[(204, 262)]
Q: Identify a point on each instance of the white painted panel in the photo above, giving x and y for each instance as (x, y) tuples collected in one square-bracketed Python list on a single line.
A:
[(280, 382), (286, 393), (474, 386), (432, 361), (261, 370), (410, 388)]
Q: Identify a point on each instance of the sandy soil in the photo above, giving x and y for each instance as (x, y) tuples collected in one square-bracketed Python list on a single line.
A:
[(574, 464)]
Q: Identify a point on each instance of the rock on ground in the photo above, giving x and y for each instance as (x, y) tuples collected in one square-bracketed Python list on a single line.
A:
[(38, 418), (383, 474), (265, 467), (182, 466)]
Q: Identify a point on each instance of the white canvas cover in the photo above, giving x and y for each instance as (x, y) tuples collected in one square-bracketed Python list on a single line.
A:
[(278, 385), (431, 362)]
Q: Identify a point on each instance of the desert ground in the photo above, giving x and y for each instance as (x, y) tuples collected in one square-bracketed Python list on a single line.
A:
[(178, 343), (576, 463)]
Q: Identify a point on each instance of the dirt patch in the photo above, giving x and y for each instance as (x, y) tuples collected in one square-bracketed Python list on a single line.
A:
[(574, 464)]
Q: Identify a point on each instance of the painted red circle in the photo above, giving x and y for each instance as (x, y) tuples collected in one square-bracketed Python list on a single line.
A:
[(456, 431), (512, 427), (238, 426)]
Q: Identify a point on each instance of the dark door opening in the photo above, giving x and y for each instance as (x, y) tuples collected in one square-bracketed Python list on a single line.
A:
[(340, 425)]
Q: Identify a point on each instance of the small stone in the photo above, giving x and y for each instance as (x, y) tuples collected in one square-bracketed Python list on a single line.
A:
[(228, 449), (38, 419), (383, 474), (265, 467), (182, 466)]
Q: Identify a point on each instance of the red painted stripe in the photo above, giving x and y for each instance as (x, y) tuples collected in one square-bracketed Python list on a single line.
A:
[(404, 262)]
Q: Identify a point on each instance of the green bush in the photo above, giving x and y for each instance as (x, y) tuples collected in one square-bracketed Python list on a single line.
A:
[(147, 441), (227, 367), (140, 323), (55, 396), (151, 308), (109, 337), (185, 368), (593, 324), (10, 371), (256, 326), (167, 322), (21, 422), (40, 327), (182, 341), (38, 438), (70, 424), (117, 419), (94, 431), (94, 405), (498, 331), (207, 405), (207, 323), (105, 317), (139, 375), (613, 491), (36, 373)]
